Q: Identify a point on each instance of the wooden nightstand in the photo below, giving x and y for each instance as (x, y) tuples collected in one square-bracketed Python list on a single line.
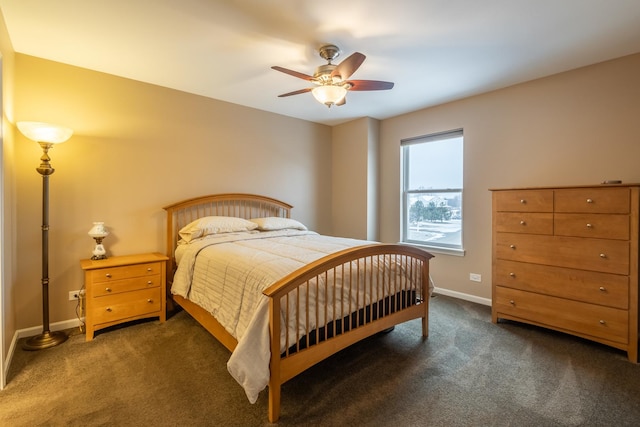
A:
[(124, 288)]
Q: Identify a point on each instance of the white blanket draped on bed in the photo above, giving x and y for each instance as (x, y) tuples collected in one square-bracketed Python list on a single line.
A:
[(242, 265)]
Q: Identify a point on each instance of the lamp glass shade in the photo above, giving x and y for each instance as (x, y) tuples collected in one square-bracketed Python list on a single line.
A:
[(329, 94), (45, 132), (98, 230)]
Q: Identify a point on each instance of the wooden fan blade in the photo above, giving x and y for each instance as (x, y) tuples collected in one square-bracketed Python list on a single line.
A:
[(348, 66), (369, 85), (293, 73), (296, 92)]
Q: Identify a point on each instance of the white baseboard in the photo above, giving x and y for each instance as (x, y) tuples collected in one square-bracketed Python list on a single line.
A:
[(58, 326), (462, 296)]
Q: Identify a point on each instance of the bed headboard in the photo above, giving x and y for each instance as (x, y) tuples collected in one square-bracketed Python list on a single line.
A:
[(239, 205)]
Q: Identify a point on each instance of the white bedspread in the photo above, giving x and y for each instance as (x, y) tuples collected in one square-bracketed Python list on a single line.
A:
[(228, 282)]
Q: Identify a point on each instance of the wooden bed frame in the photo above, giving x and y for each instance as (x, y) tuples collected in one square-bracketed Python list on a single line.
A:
[(410, 300)]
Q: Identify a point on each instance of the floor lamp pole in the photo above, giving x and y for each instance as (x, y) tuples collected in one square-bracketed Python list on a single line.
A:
[(47, 338)]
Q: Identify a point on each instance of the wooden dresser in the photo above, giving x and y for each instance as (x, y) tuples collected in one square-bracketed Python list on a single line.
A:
[(124, 288), (566, 258)]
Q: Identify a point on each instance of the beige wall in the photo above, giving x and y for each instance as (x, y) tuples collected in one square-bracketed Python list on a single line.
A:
[(137, 148), (578, 127), (355, 171)]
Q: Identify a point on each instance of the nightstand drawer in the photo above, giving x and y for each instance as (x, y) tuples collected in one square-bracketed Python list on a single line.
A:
[(125, 305), (125, 272), (524, 201), (125, 285)]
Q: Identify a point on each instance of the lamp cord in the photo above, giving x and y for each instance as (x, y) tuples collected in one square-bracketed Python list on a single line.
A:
[(80, 305)]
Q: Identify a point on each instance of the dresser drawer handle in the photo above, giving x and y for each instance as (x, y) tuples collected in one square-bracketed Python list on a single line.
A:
[(109, 309), (149, 282), (602, 322), (523, 201), (602, 289), (589, 200), (150, 301), (149, 269), (523, 223), (108, 275), (512, 246), (512, 274), (512, 302), (107, 289), (589, 226), (603, 255)]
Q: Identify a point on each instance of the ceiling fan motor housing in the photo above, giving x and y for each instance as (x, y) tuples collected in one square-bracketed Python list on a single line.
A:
[(329, 52)]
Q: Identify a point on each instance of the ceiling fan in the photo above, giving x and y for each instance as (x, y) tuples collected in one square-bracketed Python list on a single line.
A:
[(332, 81)]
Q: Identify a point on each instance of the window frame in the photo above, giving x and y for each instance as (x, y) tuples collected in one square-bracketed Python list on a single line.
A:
[(407, 192)]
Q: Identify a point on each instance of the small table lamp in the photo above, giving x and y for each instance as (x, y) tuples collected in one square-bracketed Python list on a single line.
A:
[(98, 232)]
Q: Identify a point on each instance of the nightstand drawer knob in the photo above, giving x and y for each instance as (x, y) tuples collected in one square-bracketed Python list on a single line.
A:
[(512, 302), (150, 301), (603, 255), (589, 200), (512, 246), (603, 289), (523, 223), (149, 269), (589, 226), (523, 201), (108, 275), (109, 309), (149, 282), (602, 322), (512, 274), (107, 289)]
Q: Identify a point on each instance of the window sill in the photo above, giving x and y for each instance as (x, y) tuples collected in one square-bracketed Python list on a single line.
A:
[(437, 249)]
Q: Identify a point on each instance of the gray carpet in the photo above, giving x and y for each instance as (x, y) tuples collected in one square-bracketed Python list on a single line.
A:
[(469, 372)]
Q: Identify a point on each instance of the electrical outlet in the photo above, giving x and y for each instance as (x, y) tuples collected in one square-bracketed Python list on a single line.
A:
[(474, 277), (74, 295)]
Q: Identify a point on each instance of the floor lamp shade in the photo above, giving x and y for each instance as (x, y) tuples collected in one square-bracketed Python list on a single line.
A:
[(45, 132), (46, 135)]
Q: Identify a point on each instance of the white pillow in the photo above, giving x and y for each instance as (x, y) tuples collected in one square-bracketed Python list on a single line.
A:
[(215, 225), (276, 223)]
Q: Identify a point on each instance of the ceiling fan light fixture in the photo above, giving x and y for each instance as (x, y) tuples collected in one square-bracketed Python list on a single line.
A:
[(329, 94)]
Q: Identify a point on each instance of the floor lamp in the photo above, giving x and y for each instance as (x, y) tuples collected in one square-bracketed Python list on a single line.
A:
[(46, 135)]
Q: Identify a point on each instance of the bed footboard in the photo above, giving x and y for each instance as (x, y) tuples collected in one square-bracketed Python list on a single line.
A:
[(340, 299)]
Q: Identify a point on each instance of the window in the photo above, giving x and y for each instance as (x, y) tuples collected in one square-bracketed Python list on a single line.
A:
[(432, 191)]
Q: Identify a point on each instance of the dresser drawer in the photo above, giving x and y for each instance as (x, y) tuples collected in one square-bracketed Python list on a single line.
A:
[(523, 201), (611, 290), (126, 272), (125, 285), (607, 256), (565, 315), (115, 308), (524, 222), (593, 200), (602, 226)]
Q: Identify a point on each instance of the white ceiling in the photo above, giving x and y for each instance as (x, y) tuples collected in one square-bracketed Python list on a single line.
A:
[(434, 50)]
